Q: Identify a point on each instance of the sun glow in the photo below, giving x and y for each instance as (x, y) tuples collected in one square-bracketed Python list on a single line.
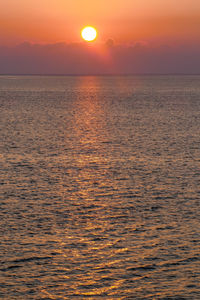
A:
[(89, 33)]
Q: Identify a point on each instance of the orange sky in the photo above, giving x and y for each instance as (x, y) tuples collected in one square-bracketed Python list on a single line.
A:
[(125, 21)]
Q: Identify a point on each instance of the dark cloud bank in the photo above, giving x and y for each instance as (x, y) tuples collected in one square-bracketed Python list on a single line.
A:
[(81, 58)]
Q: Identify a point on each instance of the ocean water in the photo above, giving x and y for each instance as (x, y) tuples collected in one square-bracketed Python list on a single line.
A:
[(100, 183)]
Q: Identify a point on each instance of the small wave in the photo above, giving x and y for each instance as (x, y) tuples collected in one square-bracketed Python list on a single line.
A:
[(22, 260), (143, 268)]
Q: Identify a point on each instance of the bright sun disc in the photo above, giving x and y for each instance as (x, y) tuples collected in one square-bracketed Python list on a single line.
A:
[(89, 33)]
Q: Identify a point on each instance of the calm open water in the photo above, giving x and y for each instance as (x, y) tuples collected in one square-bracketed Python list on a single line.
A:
[(101, 187)]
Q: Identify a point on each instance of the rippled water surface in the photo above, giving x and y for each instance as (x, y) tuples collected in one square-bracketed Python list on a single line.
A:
[(100, 180)]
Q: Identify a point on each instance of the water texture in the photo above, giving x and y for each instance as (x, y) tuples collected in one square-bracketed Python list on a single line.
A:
[(100, 182)]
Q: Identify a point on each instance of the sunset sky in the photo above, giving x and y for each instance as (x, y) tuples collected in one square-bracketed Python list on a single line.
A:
[(123, 25)]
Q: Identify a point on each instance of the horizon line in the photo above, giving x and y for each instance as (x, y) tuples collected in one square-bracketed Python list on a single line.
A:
[(97, 74)]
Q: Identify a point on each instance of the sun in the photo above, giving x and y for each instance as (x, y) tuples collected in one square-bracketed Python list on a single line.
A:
[(89, 33)]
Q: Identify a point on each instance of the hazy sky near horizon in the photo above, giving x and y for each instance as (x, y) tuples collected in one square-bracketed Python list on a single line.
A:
[(134, 36)]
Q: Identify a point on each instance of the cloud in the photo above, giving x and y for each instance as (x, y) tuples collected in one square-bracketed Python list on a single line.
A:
[(109, 43), (83, 58)]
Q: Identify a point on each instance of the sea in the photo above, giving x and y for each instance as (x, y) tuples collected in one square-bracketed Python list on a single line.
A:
[(100, 185)]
